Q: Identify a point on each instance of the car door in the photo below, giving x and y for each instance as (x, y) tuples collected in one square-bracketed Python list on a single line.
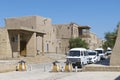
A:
[(85, 57)]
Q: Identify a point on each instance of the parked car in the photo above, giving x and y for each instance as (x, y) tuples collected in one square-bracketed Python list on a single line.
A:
[(93, 57), (109, 51), (100, 52), (77, 57)]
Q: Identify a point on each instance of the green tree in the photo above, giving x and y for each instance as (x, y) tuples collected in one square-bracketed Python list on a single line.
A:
[(77, 42), (110, 38)]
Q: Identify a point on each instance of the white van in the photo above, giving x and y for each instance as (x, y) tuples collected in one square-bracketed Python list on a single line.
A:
[(101, 53), (109, 51), (93, 56), (78, 57)]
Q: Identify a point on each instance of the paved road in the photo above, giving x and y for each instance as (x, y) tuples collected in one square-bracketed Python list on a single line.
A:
[(40, 75), (105, 62)]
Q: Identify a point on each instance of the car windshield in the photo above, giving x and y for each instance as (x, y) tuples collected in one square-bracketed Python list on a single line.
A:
[(91, 53), (109, 50), (99, 51), (74, 53)]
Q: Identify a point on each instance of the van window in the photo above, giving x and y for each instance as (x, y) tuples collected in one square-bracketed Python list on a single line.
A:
[(99, 51), (74, 53), (91, 53), (85, 54)]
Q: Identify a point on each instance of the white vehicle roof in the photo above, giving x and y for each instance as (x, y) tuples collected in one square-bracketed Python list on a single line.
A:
[(99, 49), (109, 48), (91, 50), (76, 49)]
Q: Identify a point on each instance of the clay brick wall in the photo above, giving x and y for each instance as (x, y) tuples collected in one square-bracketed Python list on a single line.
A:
[(5, 48), (115, 56)]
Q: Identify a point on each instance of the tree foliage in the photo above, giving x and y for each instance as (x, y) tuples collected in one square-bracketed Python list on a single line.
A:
[(77, 42), (110, 38)]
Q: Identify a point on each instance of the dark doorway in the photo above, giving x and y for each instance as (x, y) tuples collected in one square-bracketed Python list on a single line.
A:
[(47, 48), (23, 48)]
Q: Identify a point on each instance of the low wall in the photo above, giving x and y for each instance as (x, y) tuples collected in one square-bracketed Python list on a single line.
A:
[(102, 68), (7, 68)]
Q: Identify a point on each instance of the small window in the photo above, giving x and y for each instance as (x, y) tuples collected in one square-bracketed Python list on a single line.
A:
[(68, 27)]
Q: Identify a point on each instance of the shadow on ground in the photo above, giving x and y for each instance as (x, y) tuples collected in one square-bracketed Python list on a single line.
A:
[(105, 62)]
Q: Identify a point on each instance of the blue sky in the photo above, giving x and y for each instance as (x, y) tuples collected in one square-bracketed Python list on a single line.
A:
[(101, 15)]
